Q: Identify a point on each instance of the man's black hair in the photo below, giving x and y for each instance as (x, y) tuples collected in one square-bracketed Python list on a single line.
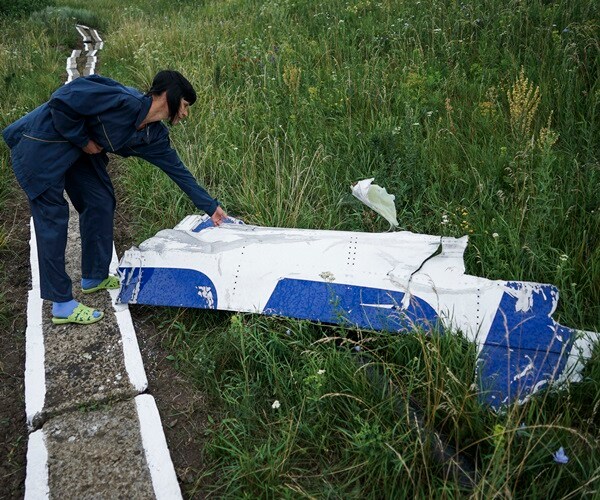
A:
[(177, 86)]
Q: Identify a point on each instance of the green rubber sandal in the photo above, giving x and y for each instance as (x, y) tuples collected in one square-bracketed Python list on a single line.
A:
[(81, 315), (110, 283)]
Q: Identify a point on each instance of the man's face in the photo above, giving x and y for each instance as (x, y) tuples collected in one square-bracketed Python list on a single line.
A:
[(182, 112)]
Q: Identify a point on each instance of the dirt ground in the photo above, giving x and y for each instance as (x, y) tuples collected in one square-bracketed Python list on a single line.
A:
[(13, 431), (182, 407)]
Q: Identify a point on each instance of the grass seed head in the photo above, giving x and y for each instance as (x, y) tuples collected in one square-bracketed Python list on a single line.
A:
[(523, 101)]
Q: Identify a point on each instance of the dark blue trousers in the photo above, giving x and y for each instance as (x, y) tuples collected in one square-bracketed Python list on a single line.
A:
[(90, 190)]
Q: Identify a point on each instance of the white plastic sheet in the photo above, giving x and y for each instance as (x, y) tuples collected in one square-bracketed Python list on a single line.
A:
[(376, 198)]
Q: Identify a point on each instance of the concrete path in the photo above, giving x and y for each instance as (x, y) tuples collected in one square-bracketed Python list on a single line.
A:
[(94, 433)]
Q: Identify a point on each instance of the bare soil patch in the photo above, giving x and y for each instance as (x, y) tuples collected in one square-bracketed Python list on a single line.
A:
[(16, 281)]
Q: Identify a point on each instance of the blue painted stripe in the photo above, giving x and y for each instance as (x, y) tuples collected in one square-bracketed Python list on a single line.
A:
[(507, 374), (209, 223), (523, 347), (203, 225), (356, 306), (160, 286)]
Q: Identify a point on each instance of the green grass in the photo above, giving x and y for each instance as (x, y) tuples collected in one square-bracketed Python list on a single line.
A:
[(481, 118), (424, 111), (338, 432)]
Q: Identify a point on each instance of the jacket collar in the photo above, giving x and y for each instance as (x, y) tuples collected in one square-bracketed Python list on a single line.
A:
[(146, 103)]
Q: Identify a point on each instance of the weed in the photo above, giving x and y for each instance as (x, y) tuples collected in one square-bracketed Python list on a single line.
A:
[(523, 100), (297, 100)]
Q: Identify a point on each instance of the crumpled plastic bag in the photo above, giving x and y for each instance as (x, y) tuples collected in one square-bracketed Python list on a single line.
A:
[(376, 198)]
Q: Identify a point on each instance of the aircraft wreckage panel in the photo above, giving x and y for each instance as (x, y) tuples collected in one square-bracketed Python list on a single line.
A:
[(387, 281)]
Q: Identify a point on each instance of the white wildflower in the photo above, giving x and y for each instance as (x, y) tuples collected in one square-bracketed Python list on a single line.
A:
[(276, 405)]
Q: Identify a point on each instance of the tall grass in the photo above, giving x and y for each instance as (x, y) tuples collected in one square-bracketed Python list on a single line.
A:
[(427, 98), (301, 417), (481, 118)]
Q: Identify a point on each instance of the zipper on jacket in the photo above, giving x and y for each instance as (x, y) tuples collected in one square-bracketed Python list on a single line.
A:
[(38, 139), (105, 134)]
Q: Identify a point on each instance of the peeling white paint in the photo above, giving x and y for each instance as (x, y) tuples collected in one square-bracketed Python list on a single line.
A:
[(526, 370), (206, 293), (524, 295), (140, 264)]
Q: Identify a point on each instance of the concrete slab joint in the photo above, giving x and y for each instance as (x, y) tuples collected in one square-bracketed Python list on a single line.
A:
[(93, 433)]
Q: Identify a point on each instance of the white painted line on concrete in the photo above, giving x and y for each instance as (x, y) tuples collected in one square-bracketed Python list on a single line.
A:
[(35, 374), (131, 350), (72, 71), (164, 479), (95, 35), (84, 32), (36, 478), (91, 44)]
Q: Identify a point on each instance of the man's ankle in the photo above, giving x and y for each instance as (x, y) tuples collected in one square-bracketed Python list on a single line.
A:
[(64, 309), (90, 282)]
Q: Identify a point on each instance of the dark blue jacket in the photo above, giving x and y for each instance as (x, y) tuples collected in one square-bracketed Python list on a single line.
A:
[(48, 140)]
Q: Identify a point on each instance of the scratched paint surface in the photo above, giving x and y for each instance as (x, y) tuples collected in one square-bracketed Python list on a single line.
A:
[(390, 281)]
